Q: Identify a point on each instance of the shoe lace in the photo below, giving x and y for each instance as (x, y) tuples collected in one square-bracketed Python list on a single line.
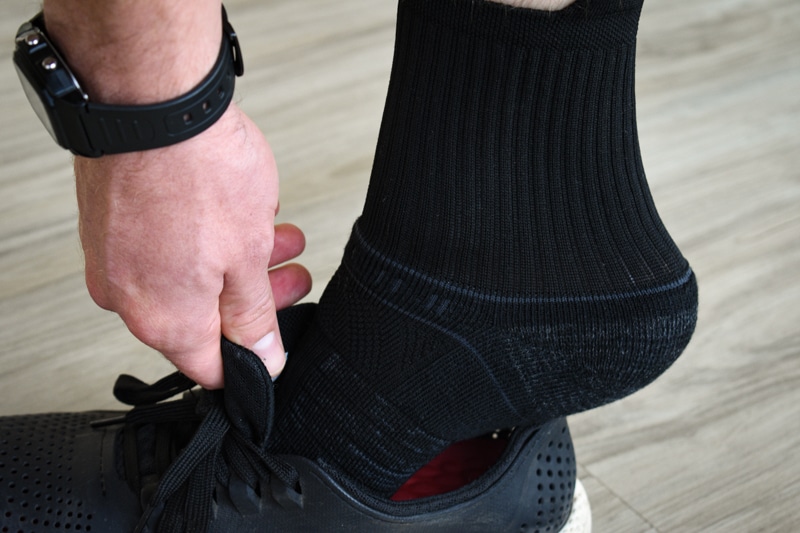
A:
[(221, 452)]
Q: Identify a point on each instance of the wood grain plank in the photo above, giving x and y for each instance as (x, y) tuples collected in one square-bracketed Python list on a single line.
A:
[(713, 445)]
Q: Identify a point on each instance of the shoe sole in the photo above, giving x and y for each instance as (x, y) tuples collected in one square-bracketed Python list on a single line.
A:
[(57, 473), (580, 518), (531, 489)]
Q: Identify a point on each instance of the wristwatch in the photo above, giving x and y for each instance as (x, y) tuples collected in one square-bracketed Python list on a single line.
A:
[(93, 129)]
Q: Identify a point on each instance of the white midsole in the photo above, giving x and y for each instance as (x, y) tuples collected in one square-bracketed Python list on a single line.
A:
[(580, 519)]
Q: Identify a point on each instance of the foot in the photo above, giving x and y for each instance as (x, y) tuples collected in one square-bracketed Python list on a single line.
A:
[(202, 464), (509, 266)]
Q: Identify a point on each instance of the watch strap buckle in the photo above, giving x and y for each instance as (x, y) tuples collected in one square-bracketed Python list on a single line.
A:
[(233, 39)]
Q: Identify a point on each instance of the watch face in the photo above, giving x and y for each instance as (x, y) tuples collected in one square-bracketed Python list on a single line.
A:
[(35, 98), (51, 88)]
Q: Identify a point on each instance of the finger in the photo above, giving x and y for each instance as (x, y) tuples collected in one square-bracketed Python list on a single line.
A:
[(289, 243), (290, 283), (247, 314)]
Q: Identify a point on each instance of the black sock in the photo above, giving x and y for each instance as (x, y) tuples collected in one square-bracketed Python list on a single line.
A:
[(509, 266)]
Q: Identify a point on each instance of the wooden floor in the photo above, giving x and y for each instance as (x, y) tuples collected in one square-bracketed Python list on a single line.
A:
[(713, 445)]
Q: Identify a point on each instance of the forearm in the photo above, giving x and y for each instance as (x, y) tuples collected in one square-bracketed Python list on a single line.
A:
[(136, 52)]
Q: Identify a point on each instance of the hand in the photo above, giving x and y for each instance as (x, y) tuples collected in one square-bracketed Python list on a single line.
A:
[(178, 242)]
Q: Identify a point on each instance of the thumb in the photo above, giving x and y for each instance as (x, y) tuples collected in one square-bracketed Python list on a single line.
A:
[(248, 318)]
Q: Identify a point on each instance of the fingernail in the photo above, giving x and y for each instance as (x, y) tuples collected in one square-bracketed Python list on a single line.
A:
[(271, 353)]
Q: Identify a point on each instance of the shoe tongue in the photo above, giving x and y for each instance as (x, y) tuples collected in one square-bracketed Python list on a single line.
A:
[(249, 392), (143, 451), (249, 398)]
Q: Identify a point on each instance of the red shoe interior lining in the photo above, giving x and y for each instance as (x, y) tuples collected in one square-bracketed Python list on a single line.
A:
[(457, 466)]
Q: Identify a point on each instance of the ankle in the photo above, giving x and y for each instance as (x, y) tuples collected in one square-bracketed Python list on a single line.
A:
[(544, 5)]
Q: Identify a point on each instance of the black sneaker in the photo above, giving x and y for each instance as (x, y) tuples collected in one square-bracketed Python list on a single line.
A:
[(202, 463)]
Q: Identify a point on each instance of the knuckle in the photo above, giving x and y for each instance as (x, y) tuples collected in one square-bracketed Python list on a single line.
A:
[(260, 241), (261, 249), (97, 291), (145, 327)]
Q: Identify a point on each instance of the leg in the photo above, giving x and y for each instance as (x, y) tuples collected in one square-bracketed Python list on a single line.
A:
[(509, 266), (545, 5)]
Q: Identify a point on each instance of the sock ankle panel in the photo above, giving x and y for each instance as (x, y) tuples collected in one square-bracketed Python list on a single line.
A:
[(400, 329)]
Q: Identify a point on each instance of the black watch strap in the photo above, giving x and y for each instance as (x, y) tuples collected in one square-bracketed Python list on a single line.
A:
[(93, 129), (116, 129)]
